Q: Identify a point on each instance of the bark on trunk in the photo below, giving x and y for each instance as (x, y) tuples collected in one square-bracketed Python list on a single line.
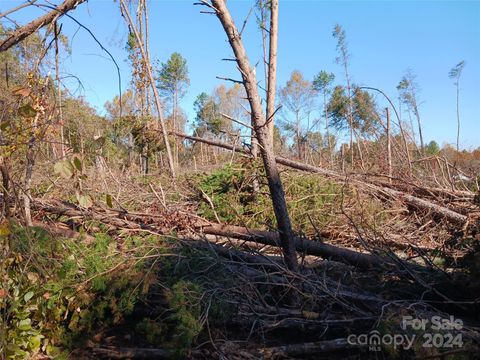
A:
[(417, 115), (258, 120), (389, 147), (458, 116), (5, 188), (315, 248), (27, 182), (59, 91), (272, 67)]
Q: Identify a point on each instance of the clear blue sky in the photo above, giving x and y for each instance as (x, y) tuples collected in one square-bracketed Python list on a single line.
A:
[(385, 38)]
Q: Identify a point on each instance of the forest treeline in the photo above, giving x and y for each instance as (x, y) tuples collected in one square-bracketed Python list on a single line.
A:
[(314, 118)]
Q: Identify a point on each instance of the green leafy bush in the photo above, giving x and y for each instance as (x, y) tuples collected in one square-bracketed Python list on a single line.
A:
[(54, 291)]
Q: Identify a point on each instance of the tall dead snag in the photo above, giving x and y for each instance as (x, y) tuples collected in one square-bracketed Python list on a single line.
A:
[(262, 133), (151, 78), (59, 90), (272, 67), (24, 31), (389, 147)]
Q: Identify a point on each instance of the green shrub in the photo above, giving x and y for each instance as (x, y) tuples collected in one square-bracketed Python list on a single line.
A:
[(186, 306), (310, 199), (226, 188), (54, 291)]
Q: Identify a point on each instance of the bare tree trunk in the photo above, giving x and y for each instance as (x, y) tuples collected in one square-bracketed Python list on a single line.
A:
[(458, 117), (158, 103), (359, 148), (59, 90), (139, 88), (402, 131), (28, 181), (130, 150), (262, 133), (327, 131), (272, 67), (316, 248), (297, 135), (389, 147), (349, 110), (414, 201), (5, 188), (254, 142), (147, 48), (175, 126), (263, 29), (405, 144), (417, 115)]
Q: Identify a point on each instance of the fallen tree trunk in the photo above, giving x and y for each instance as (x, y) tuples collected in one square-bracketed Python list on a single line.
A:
[(65, 210), (267, 262), (430, 192), (64, 231), (162, 224), (411, 200), (309, 247)]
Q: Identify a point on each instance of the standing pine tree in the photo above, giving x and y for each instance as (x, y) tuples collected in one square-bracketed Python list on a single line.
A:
[(172, 82)]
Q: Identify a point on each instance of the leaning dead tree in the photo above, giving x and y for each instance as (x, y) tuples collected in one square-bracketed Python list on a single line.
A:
[(151, 78), (261, 130), (23, 32)]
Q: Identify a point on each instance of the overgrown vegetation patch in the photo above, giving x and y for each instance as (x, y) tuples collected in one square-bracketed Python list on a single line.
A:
[(57, 293)]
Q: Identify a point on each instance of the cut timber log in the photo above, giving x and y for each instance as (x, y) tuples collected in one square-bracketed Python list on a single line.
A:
[(416, 202)]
